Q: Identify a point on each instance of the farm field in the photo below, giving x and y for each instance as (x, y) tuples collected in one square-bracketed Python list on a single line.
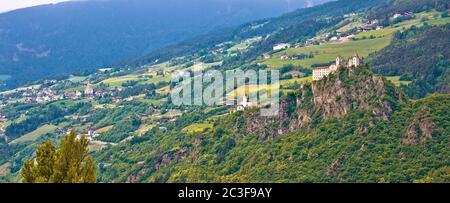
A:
[(32, 136), (298, 80), (154, 101), (77, 78), (252, 90), (396, 80), (202, 66), (118, 81), (143, 129), (157, 79), (197, 127), (328, 52)]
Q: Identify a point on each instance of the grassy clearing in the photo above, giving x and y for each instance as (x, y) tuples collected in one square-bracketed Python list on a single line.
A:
[(104, 129), (77, 79), (253, 89), (216, 117), (157, 79), (156, 102), (118, 81), (197, 128), (241, 46), (33, 136), (143, 129), (203, 66), (397, 82), (298, 80)]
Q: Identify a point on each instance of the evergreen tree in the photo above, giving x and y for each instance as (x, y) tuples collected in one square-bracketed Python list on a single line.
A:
[(70, 164)]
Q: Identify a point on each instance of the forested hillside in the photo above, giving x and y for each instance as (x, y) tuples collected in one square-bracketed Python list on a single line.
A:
[(421, 55), (400, 141)]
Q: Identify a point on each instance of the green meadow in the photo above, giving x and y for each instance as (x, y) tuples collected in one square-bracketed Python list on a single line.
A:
[(197, 127), (32, 136), (397, 82), (328, 52)]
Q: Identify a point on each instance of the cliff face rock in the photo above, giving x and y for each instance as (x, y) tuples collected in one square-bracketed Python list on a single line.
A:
[(333, 97), (420, 129), (265, 126), (354, 88)]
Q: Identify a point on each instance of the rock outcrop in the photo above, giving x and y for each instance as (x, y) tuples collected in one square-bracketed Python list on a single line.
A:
[(333, 97), (420, 129)]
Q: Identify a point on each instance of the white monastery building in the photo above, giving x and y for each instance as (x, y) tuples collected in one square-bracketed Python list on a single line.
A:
[(321, 72)]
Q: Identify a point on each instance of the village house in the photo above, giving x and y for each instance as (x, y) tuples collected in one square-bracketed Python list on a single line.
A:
[(152, 72), (310, 42), (281, 46), (398, 15), (284, 57), (103, 70), (321, 72), (367, 27)]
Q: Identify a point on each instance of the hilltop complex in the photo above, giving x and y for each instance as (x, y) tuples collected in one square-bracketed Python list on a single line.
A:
[(324, 71)]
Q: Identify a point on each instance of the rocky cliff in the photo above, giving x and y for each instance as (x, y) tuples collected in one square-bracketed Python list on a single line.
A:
[(347, 90)]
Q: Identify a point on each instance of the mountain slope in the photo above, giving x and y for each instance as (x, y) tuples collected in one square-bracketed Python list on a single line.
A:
[(304, 144), (58, 39), (352, 126), (294, 26), (405, 56)]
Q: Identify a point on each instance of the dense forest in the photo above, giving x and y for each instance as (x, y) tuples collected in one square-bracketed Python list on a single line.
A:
[(418, 54)]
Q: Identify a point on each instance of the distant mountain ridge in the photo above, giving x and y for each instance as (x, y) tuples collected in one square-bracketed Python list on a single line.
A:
[(58, 39)]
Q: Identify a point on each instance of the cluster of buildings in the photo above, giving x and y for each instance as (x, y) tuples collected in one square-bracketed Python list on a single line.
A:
[(40, 95), (372, 25), (44, 95), (407, 14), (91, 135), (320, 72)]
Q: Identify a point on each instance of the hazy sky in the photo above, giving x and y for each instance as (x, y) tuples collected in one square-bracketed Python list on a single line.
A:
[(7, 5)]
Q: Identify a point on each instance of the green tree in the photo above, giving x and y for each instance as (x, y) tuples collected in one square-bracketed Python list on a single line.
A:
[(445, 14), (69, 164)]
